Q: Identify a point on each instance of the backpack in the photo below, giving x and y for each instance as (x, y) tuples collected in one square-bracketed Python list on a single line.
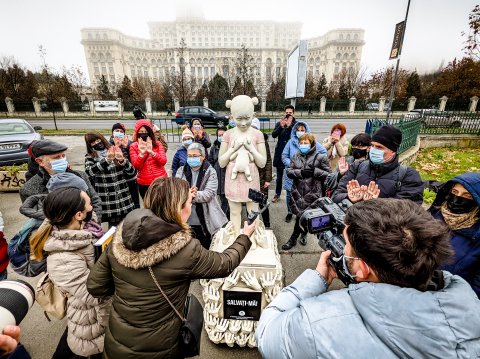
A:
[(19, 251)]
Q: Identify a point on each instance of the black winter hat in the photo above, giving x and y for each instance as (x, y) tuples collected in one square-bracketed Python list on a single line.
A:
[(46, 147), (118, 126), (362, 139), (389, 136)]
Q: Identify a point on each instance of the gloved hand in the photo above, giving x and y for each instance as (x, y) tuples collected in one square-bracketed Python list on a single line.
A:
[(307, 172)]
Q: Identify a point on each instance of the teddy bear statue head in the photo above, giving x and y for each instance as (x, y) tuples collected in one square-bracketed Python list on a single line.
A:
[(242, 109)]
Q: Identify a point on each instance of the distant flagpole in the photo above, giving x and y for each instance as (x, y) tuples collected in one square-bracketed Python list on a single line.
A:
[(396, 53)]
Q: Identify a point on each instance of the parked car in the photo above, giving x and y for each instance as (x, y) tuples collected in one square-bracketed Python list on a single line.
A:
[(85, 107), (15, 137), (208, 116), (372, 106), (435, 118)]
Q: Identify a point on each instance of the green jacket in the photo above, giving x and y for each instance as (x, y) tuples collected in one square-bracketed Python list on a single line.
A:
[(142, 324)]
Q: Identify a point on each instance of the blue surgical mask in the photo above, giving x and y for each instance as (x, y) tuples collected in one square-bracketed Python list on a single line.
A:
[(300, 133), (304, 148), (376, 156), (119, 135), (59, 166), (197, 127), (187, 143), (194, 161), (232, 123), (220, 139)]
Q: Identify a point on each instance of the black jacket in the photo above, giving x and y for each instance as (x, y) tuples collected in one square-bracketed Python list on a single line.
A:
[(213, 159), (386, 176), (283, 135)]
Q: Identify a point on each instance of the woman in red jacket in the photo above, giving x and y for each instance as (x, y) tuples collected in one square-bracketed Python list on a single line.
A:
[(147, 156)]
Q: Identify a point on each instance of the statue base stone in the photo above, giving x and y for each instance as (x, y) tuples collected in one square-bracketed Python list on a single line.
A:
[(233, 305)]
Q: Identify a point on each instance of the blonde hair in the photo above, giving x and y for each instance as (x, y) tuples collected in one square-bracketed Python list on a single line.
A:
[(37, 241), (308, 137), (166, 197)]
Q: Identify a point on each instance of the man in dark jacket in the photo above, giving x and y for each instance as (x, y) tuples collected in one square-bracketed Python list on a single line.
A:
[(382, 175), (283, 130), (51, 158), (138, 113)]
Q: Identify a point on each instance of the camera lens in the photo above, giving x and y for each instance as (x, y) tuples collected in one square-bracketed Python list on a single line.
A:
[(16, 298)]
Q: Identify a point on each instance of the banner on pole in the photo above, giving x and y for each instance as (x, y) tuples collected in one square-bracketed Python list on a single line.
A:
[(397, 40)]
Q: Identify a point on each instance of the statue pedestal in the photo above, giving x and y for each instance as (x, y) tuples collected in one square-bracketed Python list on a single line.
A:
[(233, 305)]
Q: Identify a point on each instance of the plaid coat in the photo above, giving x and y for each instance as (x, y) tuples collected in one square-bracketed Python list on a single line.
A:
[(109, 180)]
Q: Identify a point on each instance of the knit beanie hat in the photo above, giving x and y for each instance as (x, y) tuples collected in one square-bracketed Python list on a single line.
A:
[(66, 179), (187, 133), (119, 126), (389, 136)]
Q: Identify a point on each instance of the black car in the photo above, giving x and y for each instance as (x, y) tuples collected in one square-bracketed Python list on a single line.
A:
[(15, 137), (208, 116)]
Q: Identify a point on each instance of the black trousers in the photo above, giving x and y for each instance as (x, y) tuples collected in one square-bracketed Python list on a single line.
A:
[(266, 213), (204, 238), (297, 230), (63, 351), (133, 188), (224, 205), (142, 189), (279, 181)]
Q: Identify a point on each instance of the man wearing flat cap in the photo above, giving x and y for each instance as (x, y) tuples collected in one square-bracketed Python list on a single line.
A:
[(51, 159), (381, 175)]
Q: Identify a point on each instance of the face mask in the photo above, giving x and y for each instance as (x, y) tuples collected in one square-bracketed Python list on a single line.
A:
[(358, 153), (197, 127), (194, 161), (88, 217), (99, 146), (187, 143), (143, 136), (300, 133), (119, 135), (304, 149), (220, 139), (232, 123), (459, 205), (59, 166), (376, 156)]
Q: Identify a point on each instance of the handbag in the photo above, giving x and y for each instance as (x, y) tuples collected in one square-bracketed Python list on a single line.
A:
[(192, 323), (52, 300)]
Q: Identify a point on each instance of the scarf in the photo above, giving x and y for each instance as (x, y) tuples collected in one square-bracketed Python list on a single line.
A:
[(459, 221), (102, 153), (187, 171)]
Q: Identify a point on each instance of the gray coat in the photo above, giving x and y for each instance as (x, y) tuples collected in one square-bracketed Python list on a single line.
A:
[(370, 320), (207, 195)]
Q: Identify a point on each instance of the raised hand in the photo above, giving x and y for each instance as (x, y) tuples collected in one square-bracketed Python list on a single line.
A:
[(149, 145), (111, 154), (117, 141), (232, 280), (372, 191), (118, 154), (267, 280), (142, 146), (354, 191), (342, 165), (251, 281)]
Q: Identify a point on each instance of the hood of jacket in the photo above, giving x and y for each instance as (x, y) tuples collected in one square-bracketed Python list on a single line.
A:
[(293, 135), (139, 124), (421, 324), (469, 180), (143, 239), (64, 240)]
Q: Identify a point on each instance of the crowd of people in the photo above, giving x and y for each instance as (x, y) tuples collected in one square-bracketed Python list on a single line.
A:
[(394, 254)]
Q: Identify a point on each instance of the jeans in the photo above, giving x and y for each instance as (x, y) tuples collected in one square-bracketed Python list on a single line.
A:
[(279, 181), (287, 200)]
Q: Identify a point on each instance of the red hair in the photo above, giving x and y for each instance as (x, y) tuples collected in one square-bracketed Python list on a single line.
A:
[(339, 126)]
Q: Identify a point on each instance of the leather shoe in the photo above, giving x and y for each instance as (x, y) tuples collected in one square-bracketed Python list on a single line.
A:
[(288, 218), (303, 239), (290, 244)]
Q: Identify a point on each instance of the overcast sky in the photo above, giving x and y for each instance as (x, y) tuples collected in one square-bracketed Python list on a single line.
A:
[(433, 32)]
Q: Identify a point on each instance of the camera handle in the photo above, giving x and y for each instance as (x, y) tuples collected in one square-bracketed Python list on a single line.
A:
[(252, 216)]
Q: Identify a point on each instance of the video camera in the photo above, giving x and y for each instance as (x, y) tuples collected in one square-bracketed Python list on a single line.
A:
[(260, 198), (327, 222)]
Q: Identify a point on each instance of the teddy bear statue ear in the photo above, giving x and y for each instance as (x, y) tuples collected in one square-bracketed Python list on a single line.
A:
[(255, 101), (228, 104)]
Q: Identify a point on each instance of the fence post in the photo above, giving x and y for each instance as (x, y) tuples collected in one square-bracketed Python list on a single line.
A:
[(64, 103), (36, 106), (323, 104), (381, 104), (176, 102), (10, 105), (473, 104), (92, 107), (205, 102), (443, 103), (148, 105), (411, 103), (120, 107), (351, 107), (263, 107)]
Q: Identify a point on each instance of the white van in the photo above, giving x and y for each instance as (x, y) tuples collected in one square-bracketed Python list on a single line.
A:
[(105, 106)]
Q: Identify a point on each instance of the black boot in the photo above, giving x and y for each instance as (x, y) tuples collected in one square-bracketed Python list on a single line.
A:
[(292, 242), (303, 239)]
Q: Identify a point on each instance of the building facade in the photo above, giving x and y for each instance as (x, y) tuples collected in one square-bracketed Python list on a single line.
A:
[(212, 47)]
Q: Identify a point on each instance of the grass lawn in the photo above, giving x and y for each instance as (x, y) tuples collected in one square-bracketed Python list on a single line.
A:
[(442, 164)]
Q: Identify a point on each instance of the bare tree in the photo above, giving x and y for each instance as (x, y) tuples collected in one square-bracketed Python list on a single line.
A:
[(244, 66), (47, 83), (77, 78), (472, 43)]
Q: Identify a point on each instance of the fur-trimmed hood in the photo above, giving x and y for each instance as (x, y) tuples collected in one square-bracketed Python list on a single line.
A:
[(144, 239)]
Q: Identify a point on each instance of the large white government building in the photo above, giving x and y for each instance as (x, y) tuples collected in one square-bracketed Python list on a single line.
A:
[(212, 47)]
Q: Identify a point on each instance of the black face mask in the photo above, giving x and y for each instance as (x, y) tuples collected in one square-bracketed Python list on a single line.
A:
[(358, 153), (143, 136), (459, 205), (99, 146), (88, 217)]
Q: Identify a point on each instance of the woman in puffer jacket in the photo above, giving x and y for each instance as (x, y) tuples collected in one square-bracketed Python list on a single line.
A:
[(308, 170), (147, 156), (70, 257)]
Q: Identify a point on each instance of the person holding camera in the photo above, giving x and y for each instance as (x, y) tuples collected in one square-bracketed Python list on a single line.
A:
[(398, 304), (308, 169), (282, 130)]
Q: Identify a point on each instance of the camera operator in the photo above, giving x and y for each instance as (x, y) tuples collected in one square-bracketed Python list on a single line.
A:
[(398, 304), (9, 344)]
